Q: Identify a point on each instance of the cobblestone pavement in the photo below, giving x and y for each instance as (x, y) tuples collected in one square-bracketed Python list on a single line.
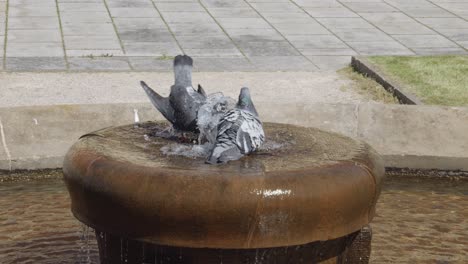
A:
[(225, 35)]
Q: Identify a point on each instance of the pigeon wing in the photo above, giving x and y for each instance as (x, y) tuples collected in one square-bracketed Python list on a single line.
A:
[(161, 103), (201, 91), (250, 135)]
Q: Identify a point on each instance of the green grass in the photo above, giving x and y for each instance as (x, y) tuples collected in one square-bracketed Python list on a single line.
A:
[(367, 87), (438, 80)]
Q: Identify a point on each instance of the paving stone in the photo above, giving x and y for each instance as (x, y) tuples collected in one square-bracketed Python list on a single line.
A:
[(85, 17), (225, 4), (2, 29), (133, 12), (35, 49), (288, 19), (32, 23), (464, 44), (35, 64), (92, 42), (32, 11), (455, 34), (269, 1), (417, 11), (145, 35), (22, 3), (380, 48), (82, 7), (233, 12), (362, 7), (34, 35), (151, 63), (274, 48), (271, 16), (440, 51), (173, 7), (318, 3), (301, 29), (152, 48), (317, 42), (454, 5), (438, 23), (254, 34), (276, 7), (349, 23), (363, 34), (397, 23), (88, 29), (330, 62), (92, 53), (74, 1), (214, 53), (139, 23), (404, 3), (328, 52), (243, 23), (209, 42), (104, 64), (187, 17), (195, 29), (222, 64), (424, 41), (330, 12), (282, 63), (133, 3)]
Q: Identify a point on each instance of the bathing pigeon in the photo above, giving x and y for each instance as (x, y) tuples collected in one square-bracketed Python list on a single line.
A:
[(182, 105), (240, 132)]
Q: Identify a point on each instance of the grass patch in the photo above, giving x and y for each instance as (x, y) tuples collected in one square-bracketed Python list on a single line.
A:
[(438, 80), (367, 87)]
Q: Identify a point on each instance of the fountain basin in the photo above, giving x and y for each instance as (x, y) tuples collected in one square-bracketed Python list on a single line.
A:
[(307, 185)]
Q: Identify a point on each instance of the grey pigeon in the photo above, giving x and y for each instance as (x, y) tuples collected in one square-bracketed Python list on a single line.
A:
[(182, 105), (240, 132)]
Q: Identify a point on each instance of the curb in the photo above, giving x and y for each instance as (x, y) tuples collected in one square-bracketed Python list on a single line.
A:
[(369, 69), (414, 137)]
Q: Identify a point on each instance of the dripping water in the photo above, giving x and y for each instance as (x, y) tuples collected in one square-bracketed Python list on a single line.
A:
[(85, 248)]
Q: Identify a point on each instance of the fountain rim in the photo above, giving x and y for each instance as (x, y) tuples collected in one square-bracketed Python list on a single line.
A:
[(75, 169)]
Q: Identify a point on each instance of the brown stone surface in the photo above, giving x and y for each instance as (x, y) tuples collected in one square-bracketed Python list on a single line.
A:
[(317, 186)]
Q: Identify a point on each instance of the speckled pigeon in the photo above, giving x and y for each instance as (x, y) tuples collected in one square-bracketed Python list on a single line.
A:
[(240, 132), (182, 105)]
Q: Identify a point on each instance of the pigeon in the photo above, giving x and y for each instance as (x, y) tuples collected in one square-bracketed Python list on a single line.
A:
[(240, 132), (181, 107), (209, 114)]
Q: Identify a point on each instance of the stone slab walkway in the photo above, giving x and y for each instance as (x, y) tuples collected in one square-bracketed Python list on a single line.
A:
[(224, 35)]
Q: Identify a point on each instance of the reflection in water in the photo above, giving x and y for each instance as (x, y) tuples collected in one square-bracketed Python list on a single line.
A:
[(418, 221)]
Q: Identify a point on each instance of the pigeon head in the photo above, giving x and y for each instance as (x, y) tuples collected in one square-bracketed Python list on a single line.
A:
[(245, 101)]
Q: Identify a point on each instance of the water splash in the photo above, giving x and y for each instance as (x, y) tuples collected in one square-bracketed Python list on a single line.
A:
[(136, 117), (187, 150), (85, 248)]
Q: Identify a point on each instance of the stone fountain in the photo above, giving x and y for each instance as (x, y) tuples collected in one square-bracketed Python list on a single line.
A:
[(305, 196)]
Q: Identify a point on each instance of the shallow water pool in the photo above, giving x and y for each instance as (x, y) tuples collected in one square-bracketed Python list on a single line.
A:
[(419, 220)]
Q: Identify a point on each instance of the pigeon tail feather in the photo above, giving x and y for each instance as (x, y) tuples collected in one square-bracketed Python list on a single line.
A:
[(161, 103), (183, 70), (245, 101)]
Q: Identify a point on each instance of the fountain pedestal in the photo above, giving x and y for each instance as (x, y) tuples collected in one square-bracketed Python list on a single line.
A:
[(308, 197)]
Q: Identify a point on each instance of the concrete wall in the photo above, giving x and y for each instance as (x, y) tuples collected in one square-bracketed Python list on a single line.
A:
[(427, 137)]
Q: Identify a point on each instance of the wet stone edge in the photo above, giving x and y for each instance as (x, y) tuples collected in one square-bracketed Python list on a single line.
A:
[(30, 175)]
